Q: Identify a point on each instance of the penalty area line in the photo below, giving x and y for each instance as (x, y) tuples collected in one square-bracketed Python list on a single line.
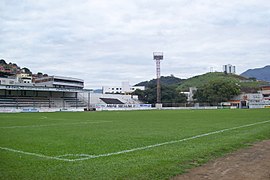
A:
[(88, 156), (34, 154)]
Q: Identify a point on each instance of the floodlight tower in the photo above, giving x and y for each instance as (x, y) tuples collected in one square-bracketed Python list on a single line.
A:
[(158, 56)]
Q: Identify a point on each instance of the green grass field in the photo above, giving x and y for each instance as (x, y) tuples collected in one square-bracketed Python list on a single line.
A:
[(122, 145)]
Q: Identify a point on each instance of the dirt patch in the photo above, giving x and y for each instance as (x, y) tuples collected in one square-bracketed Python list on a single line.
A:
[(252, 163)]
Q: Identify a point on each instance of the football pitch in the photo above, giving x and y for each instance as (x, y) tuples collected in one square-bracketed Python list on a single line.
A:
[(122, 144)]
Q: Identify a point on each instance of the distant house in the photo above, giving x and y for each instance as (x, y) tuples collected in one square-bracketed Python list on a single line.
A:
[(24, 78), (2, 68), (265, 91)]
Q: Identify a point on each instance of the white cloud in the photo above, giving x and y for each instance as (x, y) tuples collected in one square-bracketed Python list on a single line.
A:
[(105, 42)]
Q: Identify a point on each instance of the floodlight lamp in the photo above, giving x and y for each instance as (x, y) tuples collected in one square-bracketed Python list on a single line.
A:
[(158, 55)]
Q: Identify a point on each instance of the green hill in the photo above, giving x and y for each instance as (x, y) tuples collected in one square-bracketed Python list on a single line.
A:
[(247, 85), (164, 80)]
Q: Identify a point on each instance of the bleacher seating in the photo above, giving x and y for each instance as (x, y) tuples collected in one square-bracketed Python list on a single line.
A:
[(111, 101), (34, 102), (74, 102), (40, 102), (25, 102), (7, 102)]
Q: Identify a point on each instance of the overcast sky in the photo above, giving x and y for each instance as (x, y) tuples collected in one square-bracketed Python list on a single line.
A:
[(106, 42)]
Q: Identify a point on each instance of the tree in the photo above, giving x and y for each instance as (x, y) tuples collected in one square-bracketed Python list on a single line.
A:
[(26, 70), (252, 79), (217, 91), (164, 80), (39, 75), (168, 95), (146, 96), (2, 61)]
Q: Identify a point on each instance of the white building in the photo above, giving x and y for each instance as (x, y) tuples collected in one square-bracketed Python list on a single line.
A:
[(265, 91), (24, 78), (230, 69), (190, 94), (252, 100), (125, 88), (7, 81)]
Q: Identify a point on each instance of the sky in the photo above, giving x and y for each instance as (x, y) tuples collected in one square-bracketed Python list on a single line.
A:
[(106, 42)]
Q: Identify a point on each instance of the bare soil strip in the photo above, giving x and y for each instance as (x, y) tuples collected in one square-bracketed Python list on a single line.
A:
[(252, 163)]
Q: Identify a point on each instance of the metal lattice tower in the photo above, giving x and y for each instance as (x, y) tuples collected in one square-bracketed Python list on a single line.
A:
[(158, 56)]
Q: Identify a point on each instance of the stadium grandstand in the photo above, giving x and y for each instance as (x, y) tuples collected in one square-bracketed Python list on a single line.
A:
[(24, 98), (57, 93), (60, 82)]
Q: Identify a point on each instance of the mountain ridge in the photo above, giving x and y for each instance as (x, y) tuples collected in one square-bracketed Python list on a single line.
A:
[(258, 73)]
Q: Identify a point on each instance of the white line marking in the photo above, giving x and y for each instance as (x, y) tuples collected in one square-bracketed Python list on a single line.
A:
[(57, 119), (45, 125), (73, 155), (34, 154), (128, 150), (166, 143)]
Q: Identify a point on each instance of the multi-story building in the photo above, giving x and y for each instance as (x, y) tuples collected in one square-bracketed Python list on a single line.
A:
[(230, 69)]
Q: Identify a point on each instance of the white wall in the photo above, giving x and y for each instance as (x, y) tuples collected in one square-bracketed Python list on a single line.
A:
[(121, 89), (7, 81), (95, 98)]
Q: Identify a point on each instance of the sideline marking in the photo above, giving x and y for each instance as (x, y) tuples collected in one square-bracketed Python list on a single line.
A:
[(87, 156), (165, 143), (45, 125)]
